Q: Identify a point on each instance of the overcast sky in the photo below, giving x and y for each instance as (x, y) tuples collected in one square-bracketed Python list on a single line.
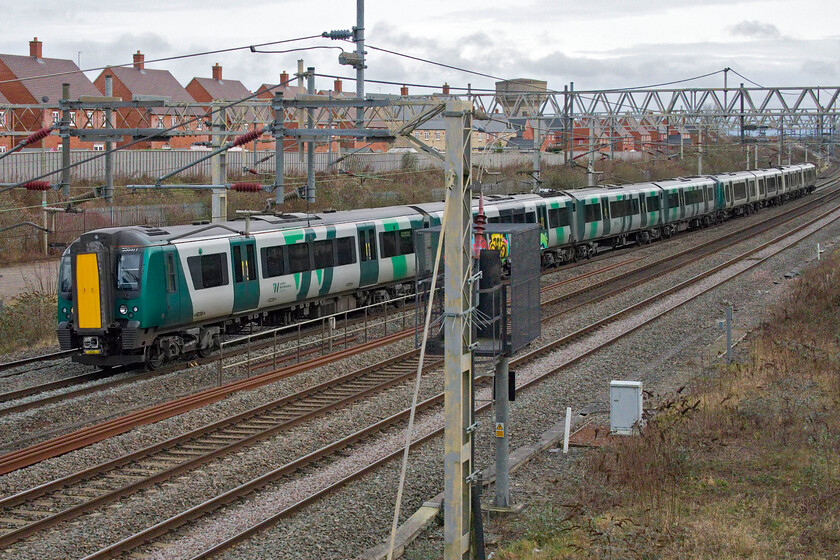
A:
[(603, 44)]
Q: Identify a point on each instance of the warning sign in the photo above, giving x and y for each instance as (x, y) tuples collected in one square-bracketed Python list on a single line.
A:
[(500, 429)]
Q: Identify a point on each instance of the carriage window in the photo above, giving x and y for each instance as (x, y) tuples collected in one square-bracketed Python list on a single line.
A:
[(208, 271), (761, 188), (128, 271), (344, 251), (171, 279), (272, 261), (673, 200), (623, 208), (519, 218), (694, 197), (558, 217), (752, 187), (395, 243), (298, 257), (592, 212), (322, 253), (740, 190), (653, 203), (65, 276)]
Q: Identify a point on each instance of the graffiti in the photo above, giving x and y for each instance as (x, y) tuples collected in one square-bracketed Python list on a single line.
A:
[(499, 242), (543, 240)]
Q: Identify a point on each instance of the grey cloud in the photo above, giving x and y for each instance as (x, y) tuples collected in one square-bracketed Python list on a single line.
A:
[(756, 29)]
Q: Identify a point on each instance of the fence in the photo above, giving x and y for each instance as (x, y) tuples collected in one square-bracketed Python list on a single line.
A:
[(129, 164)]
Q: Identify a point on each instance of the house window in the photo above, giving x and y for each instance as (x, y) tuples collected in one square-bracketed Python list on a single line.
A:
[(2, 149), (2, 118), (160, 122), (426, 135), (99, 147), (55, 117), (437, 135)]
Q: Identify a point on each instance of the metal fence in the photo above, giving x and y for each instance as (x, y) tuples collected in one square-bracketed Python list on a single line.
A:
[(133, 164)]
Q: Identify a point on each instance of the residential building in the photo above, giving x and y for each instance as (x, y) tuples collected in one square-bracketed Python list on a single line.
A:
[(35, 80), (140, 83)]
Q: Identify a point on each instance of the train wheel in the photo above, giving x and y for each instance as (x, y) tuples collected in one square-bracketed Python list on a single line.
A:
[(154, 356)]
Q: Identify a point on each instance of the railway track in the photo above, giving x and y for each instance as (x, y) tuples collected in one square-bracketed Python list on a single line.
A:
[(49, 504), (180, 454), (591, 293), (680, 294), (101, 375)]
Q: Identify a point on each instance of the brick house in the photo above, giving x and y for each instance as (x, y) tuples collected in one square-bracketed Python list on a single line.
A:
[(139, 82), (21, 84), (205, 90)]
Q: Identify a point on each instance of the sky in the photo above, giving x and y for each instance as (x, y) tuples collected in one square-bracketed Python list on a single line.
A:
[(596, 45)]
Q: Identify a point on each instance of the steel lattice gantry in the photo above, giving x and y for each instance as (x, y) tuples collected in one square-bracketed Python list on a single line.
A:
[(806, 108)]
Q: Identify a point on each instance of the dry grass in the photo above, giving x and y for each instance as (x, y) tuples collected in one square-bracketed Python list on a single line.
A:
[(745, 463)]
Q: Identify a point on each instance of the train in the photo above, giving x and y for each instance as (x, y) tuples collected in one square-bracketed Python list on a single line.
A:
[(145, 295)]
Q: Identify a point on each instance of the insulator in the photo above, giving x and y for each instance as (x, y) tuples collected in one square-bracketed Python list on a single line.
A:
[(336, 34), (248, 137), (40, 135), (246, 187), (36, 186)]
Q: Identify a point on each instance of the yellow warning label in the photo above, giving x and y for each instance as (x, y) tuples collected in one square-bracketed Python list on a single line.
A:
[(500, 429), (87, 291)]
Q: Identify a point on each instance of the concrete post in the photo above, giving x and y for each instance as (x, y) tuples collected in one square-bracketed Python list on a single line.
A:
[(279, 152), (502, 499), (65, 143), (44, 235), (590, 170), (310, 145), (359, 38), (700, 151), (458, 290), (109, 157), (218, 171), (537, 155)]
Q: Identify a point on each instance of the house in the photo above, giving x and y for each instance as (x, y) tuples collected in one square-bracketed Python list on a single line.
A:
[(139, 83), (35, 80), (240, 118)]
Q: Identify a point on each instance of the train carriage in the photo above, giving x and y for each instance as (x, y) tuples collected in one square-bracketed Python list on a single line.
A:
[(145, 294)]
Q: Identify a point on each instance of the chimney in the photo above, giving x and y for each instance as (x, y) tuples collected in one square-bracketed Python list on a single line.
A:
[(337, 85), (404, 90), (35, 48), (284, 77), (445, 89), (217, 72), (139, 61)]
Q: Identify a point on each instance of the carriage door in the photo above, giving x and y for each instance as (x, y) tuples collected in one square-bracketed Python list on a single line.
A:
[(368, 263), (173, 298), (246, 286)]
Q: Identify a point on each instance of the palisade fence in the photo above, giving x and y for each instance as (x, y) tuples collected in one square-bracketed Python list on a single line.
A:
[(130, 164), (18, 243)]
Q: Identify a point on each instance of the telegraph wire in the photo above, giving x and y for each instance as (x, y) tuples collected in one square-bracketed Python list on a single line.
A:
[(164, 59)]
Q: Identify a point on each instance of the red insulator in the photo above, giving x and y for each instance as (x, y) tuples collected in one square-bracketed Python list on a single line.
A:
[(245, 138), (36, 136), (36, 186), (247, 187)]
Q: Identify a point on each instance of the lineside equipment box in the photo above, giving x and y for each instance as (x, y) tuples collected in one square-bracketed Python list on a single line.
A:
[(625, 407)]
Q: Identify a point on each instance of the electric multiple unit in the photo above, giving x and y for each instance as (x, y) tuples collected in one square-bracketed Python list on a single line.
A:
[(142, 294)]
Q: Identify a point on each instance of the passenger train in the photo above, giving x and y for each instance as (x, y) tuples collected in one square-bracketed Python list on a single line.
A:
[(142, 294)]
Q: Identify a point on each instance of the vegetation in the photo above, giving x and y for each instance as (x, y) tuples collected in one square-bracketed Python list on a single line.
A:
[(29, 319), (744, 463)]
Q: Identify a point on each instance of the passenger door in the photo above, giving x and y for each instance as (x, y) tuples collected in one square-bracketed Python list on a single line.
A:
[(368, 261), (246, 285), (173, 297)]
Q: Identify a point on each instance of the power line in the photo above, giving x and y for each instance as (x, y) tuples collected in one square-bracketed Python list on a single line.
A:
[(164, 59)]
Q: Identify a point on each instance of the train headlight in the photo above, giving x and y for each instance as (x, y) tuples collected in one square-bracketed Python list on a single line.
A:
[(131, 315), (123, 309), (135, 309), (64, 310)]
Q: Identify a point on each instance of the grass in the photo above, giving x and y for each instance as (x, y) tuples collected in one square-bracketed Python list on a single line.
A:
[(29, 319), (743, 463)]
